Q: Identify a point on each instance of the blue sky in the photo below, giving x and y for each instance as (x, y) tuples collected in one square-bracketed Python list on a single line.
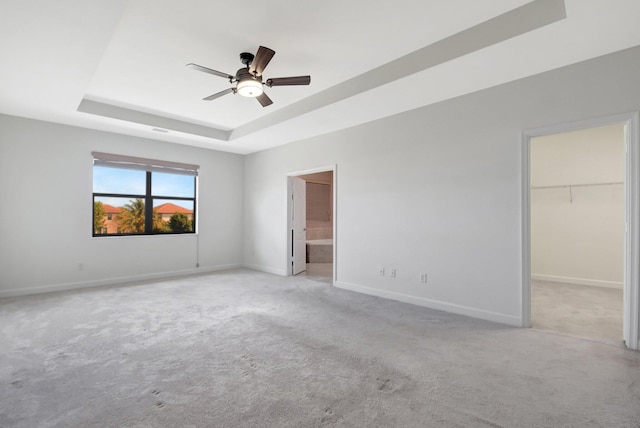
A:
[(113, 180)]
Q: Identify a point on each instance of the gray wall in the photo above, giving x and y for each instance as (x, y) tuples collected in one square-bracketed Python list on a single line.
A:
[(45, 230), (436, 190)]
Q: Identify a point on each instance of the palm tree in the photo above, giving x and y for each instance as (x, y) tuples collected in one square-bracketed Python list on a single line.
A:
[(159, 225), (98, 217), (131, 217)]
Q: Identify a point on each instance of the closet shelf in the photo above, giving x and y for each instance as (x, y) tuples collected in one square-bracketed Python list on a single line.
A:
[(568, 186)]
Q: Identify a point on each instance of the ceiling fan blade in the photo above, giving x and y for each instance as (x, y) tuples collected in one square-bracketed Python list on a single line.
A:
[(288, 81), (264, 100), (210, 71), (263, 56), (219, 94)]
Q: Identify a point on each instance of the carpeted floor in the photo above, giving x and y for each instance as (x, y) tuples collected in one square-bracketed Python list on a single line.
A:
[(247, 349), (580, 310)]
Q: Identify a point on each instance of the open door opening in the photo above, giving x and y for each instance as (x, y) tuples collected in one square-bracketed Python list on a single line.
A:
[(312, 225), (577, 232), (581, 229)]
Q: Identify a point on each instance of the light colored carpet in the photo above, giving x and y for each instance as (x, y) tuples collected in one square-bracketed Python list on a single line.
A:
[(246, 349), (580, 310)]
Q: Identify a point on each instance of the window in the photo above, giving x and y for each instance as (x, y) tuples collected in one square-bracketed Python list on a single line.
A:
[(136, 196)]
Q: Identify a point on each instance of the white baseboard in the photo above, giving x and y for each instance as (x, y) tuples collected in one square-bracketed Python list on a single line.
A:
[(17, 292), (265, 269), (434, 304), (578, 281)]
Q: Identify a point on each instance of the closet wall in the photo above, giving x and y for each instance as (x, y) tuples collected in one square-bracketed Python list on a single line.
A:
[(577, 207)]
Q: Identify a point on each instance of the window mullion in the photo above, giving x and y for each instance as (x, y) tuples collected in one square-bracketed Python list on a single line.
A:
[(148, 207), (193, 216)]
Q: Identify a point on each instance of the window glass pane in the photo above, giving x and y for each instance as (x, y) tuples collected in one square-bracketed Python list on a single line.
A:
[(126, 216), (123, 181), (173, 216), (172, 185)]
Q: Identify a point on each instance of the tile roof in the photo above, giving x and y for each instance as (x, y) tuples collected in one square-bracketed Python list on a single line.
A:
[(169, 208), (110, 209)]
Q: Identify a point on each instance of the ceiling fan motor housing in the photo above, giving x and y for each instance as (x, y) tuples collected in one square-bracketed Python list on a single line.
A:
[(248, 85), (244, 74)]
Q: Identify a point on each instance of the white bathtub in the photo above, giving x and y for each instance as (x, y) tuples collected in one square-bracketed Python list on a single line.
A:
[(320, 251)]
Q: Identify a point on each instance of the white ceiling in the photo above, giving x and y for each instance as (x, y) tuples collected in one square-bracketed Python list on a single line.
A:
[(119, 65)]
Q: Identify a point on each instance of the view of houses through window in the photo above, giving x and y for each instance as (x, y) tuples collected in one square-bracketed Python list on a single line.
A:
[(130, 218), (142, 199)]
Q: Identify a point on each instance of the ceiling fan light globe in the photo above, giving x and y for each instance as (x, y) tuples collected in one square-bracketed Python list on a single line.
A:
[(249, 88)]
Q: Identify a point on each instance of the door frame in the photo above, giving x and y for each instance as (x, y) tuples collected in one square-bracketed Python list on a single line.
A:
[(289, 259), (631, 288)]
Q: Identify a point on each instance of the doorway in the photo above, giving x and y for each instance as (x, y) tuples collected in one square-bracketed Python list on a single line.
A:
[(312, 224), (580, 268), (577, 232)]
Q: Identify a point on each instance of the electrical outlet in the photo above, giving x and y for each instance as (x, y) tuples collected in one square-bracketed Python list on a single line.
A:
[(393, 273), (381, 270), (423, 278)]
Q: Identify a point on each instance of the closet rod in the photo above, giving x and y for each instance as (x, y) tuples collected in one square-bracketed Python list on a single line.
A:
[(564, 186)]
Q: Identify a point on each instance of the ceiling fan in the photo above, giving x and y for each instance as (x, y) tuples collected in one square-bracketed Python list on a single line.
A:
[(248, 79)]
